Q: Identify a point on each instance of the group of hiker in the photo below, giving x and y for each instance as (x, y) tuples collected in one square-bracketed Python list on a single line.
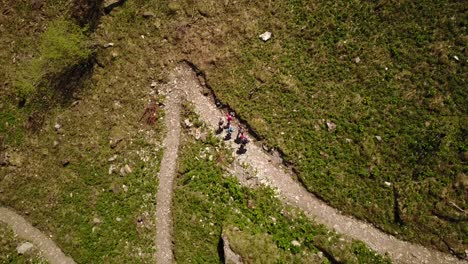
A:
[(241, 138)]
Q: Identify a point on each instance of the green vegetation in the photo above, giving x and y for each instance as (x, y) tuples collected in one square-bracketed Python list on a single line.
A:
[(389, 74), (62, 46), (8, 245), (66, 176), (208, 202)]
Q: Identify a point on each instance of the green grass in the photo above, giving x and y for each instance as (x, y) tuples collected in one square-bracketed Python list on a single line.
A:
[(208, 202), (93, 216), (407, 88), (8, 244)]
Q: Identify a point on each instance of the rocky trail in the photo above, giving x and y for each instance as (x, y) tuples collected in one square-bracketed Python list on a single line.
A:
[(268, 170), (26, 231)]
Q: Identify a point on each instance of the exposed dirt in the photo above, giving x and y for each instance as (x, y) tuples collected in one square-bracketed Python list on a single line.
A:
[(26, 231), (268, 170), (168, 168)]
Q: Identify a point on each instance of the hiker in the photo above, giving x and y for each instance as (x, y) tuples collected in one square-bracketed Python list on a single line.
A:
[(229, 119), (240, 132), (220, 125), (229, 133), (243, 142)]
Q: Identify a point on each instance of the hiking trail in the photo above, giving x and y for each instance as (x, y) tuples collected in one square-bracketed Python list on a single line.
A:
[(23, 229), (270, 172)]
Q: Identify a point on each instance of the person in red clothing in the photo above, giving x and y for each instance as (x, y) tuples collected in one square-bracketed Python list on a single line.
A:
[(229, 119)]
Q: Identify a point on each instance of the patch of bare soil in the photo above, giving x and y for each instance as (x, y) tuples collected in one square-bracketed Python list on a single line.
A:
[(26, 231)]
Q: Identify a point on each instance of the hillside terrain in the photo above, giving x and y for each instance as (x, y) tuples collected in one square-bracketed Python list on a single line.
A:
[(366, 101)]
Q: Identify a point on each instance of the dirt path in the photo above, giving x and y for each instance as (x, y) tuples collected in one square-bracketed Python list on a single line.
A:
[(26, 231), (168, 170), (271, 173)]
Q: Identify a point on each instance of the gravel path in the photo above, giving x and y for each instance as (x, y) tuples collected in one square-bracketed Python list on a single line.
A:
[(26, 231), (270, 172), (168, 170)]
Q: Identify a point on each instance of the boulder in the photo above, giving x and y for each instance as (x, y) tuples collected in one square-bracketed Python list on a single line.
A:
[(265, 36), (230, 256), (24, 248)]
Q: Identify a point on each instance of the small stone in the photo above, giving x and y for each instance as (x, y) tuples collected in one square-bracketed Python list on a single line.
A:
[(456, 58), (108, 45), (388, 184), (265, 36), (357, 60), (379, 138), (125, 188), (125, 170), (188, 123), (331, 126), (96, 221), (65, 162), (57, 126), (55, 143), (154, 84), (148, 14), (320, 254), (295, 243), (111, 169), (24, 248), (118, 219), (112, 158), (348, 140)]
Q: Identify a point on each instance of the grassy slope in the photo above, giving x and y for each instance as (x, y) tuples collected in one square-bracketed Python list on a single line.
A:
[(208, 202), (406, 88), (94, 216), (8, 245)]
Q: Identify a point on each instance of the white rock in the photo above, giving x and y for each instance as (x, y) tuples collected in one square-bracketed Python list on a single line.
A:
[(154, 84), (125, 170), (118, 219), (111, 169), (112, 158), (388, 184), (379, 138), (24, 248), (456, 58), (57, 126), (357, 60), (348, 140), (331, 126), (108, 45), (265, 36), (295, 243)]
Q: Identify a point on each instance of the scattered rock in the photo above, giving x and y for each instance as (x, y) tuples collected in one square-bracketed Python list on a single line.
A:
[(188, 123), (125, 188), (320, 254), (24, 248), (111, 169), (148, 14), (111, 4), (348, 140), (96, 221), (379, 138), (388, 184), (154, 84), (456, 58), (295, 243), (357, 60), (108, 45), (55, 143), (118, 219), (229, 255), (125, 170), (265, 36), (65, 162), (331, 126), (112, 158), (57, 126)]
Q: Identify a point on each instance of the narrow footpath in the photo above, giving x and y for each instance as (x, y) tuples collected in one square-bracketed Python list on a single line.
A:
[(292, 192), (26, 231), (167, 173)]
